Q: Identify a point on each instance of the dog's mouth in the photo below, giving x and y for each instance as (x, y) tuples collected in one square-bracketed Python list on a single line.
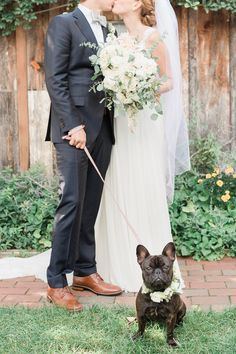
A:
[(157, 285)]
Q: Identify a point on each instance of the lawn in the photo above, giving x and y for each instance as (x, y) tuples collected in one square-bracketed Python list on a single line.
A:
[(106, 330)]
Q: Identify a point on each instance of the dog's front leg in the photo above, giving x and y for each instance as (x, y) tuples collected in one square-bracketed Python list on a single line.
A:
[(171, 322), (181, 314), (141, 327)]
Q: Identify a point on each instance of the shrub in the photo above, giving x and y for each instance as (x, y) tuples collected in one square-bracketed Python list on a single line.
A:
[(205, 153), (27, 207), (203, 214)]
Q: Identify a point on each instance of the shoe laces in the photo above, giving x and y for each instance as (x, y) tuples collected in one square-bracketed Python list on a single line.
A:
[(66, 290), (98, 276)]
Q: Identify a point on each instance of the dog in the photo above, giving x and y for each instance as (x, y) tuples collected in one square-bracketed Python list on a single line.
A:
[(151, 301)]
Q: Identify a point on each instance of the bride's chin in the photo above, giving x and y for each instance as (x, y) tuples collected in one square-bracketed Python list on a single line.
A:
[(114, 10), (117, 13)]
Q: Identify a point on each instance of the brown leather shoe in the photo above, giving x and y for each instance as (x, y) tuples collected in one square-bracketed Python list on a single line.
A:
[(63, 297), (96, 284)]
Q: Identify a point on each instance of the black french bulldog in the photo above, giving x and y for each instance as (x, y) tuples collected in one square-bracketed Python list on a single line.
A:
[(157, 272)]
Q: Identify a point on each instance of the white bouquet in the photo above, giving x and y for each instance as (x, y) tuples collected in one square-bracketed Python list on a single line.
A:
[(128, 75)]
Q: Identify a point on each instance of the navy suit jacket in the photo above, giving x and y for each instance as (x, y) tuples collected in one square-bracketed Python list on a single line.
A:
[(69, 74)]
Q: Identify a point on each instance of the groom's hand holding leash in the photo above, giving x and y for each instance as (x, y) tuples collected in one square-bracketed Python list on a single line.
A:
[(76, 137)]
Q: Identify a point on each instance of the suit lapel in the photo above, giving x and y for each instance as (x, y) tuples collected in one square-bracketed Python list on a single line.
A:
[(84, 26), (105, 33)]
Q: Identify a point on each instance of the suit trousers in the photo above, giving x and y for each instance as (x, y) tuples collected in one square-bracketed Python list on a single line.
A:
[(80, 191)]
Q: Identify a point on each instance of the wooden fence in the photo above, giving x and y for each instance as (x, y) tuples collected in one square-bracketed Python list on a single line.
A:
[(207, 45)]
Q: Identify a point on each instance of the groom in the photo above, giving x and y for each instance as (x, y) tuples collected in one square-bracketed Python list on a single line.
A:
[(77, 118)]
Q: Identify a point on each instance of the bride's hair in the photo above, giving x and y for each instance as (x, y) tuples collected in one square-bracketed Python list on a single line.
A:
[(148, 17)]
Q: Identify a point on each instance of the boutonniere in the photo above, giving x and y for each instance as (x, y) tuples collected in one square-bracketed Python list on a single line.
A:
[(111, 29)]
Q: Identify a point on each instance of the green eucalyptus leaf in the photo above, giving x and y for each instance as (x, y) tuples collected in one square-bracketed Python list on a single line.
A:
[(154, 116)]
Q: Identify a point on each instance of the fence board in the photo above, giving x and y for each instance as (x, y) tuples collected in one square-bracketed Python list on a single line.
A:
[(40, 151), (182, 16), (233, 76), (209, 71), (35, 49), (8, 117), (22, 97)]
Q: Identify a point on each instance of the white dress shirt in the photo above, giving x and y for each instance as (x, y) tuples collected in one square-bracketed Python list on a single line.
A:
[(96, 27)]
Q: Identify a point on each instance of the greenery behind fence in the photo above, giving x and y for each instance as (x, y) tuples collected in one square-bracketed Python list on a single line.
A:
[(22, 12), (203, 214)]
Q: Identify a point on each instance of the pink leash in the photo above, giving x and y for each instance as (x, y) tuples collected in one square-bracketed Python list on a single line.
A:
[(113, 197)]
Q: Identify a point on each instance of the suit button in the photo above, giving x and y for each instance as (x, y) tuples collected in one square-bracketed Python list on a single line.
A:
[(62, 124)]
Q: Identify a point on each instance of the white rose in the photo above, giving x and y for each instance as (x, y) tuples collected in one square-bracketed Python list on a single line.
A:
[(116, 61), (109, 84)]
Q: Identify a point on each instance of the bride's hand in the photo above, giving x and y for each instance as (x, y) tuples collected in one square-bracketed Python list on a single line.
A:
[(158, 96)]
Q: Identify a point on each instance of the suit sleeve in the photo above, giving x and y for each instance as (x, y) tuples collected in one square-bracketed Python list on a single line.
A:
[(57, 57)]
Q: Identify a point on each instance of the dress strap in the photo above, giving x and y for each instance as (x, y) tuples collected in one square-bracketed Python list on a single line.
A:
[(148, 32)]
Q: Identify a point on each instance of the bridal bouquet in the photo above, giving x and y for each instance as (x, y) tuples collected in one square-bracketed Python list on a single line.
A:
[(128, 75)]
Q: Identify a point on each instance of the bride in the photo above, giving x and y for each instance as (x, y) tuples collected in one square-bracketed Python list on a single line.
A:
[(141, 169), (143, 164)]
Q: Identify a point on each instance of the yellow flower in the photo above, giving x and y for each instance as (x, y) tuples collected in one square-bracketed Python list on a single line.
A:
[(214, 174), (219, 183), (200, 181), (227, 192), (229, 170), (208, 176), (217, 170), (225, 198)]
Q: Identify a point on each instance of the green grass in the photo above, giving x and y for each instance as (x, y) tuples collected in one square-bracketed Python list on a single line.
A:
[(106, 330)]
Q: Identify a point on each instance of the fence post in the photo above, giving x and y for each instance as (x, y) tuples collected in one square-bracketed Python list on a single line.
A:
[(22, 97), (232, 40)]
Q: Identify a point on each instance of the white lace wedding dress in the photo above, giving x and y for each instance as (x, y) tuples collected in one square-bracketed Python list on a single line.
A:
[(137, 178)]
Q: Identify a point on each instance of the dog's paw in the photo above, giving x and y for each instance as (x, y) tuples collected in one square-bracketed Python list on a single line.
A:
[(172, 342), (180, 323), (136, 336)]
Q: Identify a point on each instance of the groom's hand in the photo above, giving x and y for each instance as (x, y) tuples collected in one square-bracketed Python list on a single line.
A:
[(77, 137)]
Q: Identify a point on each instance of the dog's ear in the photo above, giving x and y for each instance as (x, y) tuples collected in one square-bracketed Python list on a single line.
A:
[(141, 253), (169, 251)]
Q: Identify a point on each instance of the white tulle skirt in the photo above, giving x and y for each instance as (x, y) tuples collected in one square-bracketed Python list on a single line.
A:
[(136, 176), (13, 267)]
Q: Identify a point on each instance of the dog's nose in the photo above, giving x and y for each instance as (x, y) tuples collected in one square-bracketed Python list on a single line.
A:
[(158, 273)]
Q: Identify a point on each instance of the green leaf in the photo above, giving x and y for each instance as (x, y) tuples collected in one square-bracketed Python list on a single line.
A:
[(36, 234), (131, 58), (154, 116), (158, 109), (203, 198), (184, 251), (46, 243), (190, 208), (100, 87), (206, 252)]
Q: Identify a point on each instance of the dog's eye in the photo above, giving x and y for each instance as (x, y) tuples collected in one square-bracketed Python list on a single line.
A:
[(166, 267), (148, 268)]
